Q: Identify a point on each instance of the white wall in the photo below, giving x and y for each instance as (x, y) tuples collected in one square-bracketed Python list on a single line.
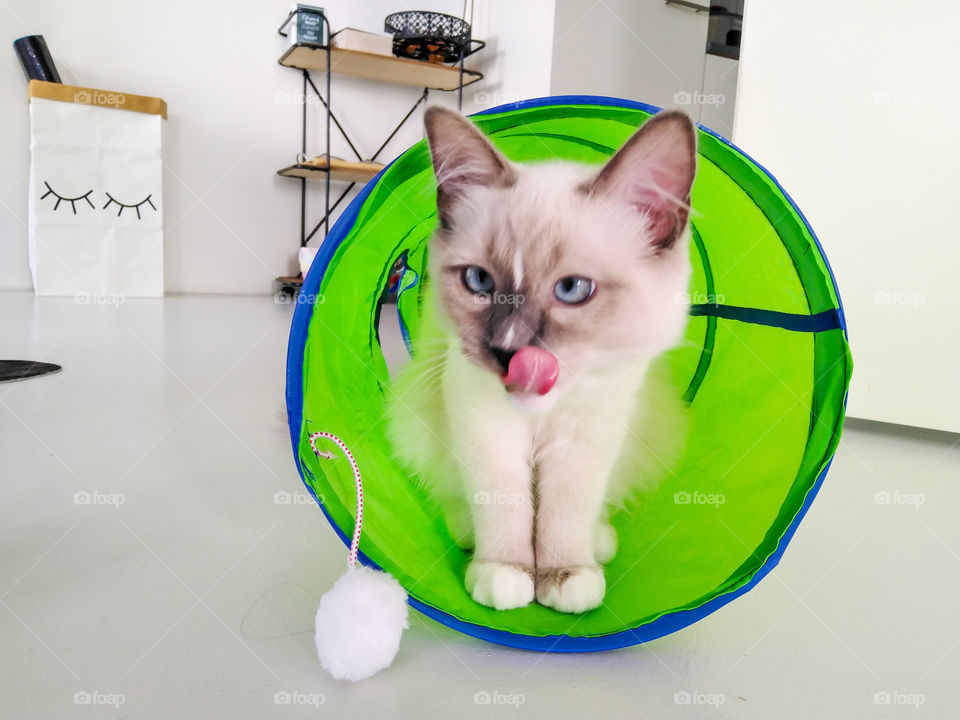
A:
[(643, 50), (231, 223), (718, 101), (853, 106), (637, 49)]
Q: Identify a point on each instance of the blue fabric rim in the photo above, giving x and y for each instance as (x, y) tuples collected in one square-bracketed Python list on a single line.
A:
[(795, 322), (663, 625)]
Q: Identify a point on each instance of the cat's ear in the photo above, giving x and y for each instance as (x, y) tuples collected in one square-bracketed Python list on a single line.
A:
[(463, 158), (654, 172)]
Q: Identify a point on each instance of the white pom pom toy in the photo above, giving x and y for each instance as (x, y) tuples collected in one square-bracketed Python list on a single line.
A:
[(359, 623), (362, 617)]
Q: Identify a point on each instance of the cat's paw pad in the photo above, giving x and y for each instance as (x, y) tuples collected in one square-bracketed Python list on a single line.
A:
[(573, 589), (604, 542), (502, 586)]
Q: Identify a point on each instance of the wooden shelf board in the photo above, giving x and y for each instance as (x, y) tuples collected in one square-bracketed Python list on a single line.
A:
[(386, 68), (345, 170)]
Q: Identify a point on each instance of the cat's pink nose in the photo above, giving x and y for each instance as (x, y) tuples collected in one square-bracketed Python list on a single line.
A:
[(531, 370)]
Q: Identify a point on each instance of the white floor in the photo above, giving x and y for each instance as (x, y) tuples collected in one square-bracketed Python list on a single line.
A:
[(149, 567)]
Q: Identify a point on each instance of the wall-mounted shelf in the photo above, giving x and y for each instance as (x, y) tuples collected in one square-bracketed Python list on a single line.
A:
[(328, 59), (345, 170), (385, 68)]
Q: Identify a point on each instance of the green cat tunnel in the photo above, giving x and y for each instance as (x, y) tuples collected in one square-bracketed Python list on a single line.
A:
[(765, 369)]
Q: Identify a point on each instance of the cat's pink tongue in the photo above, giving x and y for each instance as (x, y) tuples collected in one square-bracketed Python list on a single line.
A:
[(531, 370)]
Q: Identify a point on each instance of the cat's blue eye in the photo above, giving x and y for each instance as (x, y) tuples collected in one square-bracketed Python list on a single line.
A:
[(574, 289), (477, 280)]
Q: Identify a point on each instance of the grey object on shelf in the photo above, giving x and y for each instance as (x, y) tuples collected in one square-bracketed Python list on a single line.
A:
[(309, 28)]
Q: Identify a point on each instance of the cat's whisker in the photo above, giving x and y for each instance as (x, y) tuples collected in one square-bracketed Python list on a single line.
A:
[(431, 373)]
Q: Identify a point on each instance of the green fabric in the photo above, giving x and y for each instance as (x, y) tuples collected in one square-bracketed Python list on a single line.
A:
[(767, 403)]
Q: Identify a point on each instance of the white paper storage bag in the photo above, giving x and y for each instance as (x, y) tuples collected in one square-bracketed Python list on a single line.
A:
[(96, 197)]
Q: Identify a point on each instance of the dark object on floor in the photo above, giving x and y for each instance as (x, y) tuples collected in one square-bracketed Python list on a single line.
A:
[(288, 287), (11, 370), (431, 36), (35, 59)]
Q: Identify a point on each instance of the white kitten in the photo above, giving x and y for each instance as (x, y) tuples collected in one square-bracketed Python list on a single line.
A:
[(532, 410)]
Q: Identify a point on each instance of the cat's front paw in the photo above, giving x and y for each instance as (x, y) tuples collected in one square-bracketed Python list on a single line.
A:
[(572, 589), (502, 586)]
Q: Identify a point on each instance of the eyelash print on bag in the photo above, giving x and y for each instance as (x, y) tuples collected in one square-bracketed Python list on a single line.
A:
[(73, 201), (86, 196), (124, 206)]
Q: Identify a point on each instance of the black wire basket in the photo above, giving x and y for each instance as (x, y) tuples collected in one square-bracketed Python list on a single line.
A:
[(431, 36)]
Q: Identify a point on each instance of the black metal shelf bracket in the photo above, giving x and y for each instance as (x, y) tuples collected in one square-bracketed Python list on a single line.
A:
[(331, 118)]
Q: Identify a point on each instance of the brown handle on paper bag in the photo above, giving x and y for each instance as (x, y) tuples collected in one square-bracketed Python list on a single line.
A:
[(93, 96)]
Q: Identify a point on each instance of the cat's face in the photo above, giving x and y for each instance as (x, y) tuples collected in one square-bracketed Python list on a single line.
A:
[(591, 267)]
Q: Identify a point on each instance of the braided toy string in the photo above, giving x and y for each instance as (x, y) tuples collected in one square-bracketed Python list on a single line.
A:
[(355, 542)]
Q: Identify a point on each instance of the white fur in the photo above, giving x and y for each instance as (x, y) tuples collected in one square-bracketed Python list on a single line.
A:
[(532, 476), (583, 590), (359, 624), (604, 542), (574, 444), (499, 586), (518, 267)]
